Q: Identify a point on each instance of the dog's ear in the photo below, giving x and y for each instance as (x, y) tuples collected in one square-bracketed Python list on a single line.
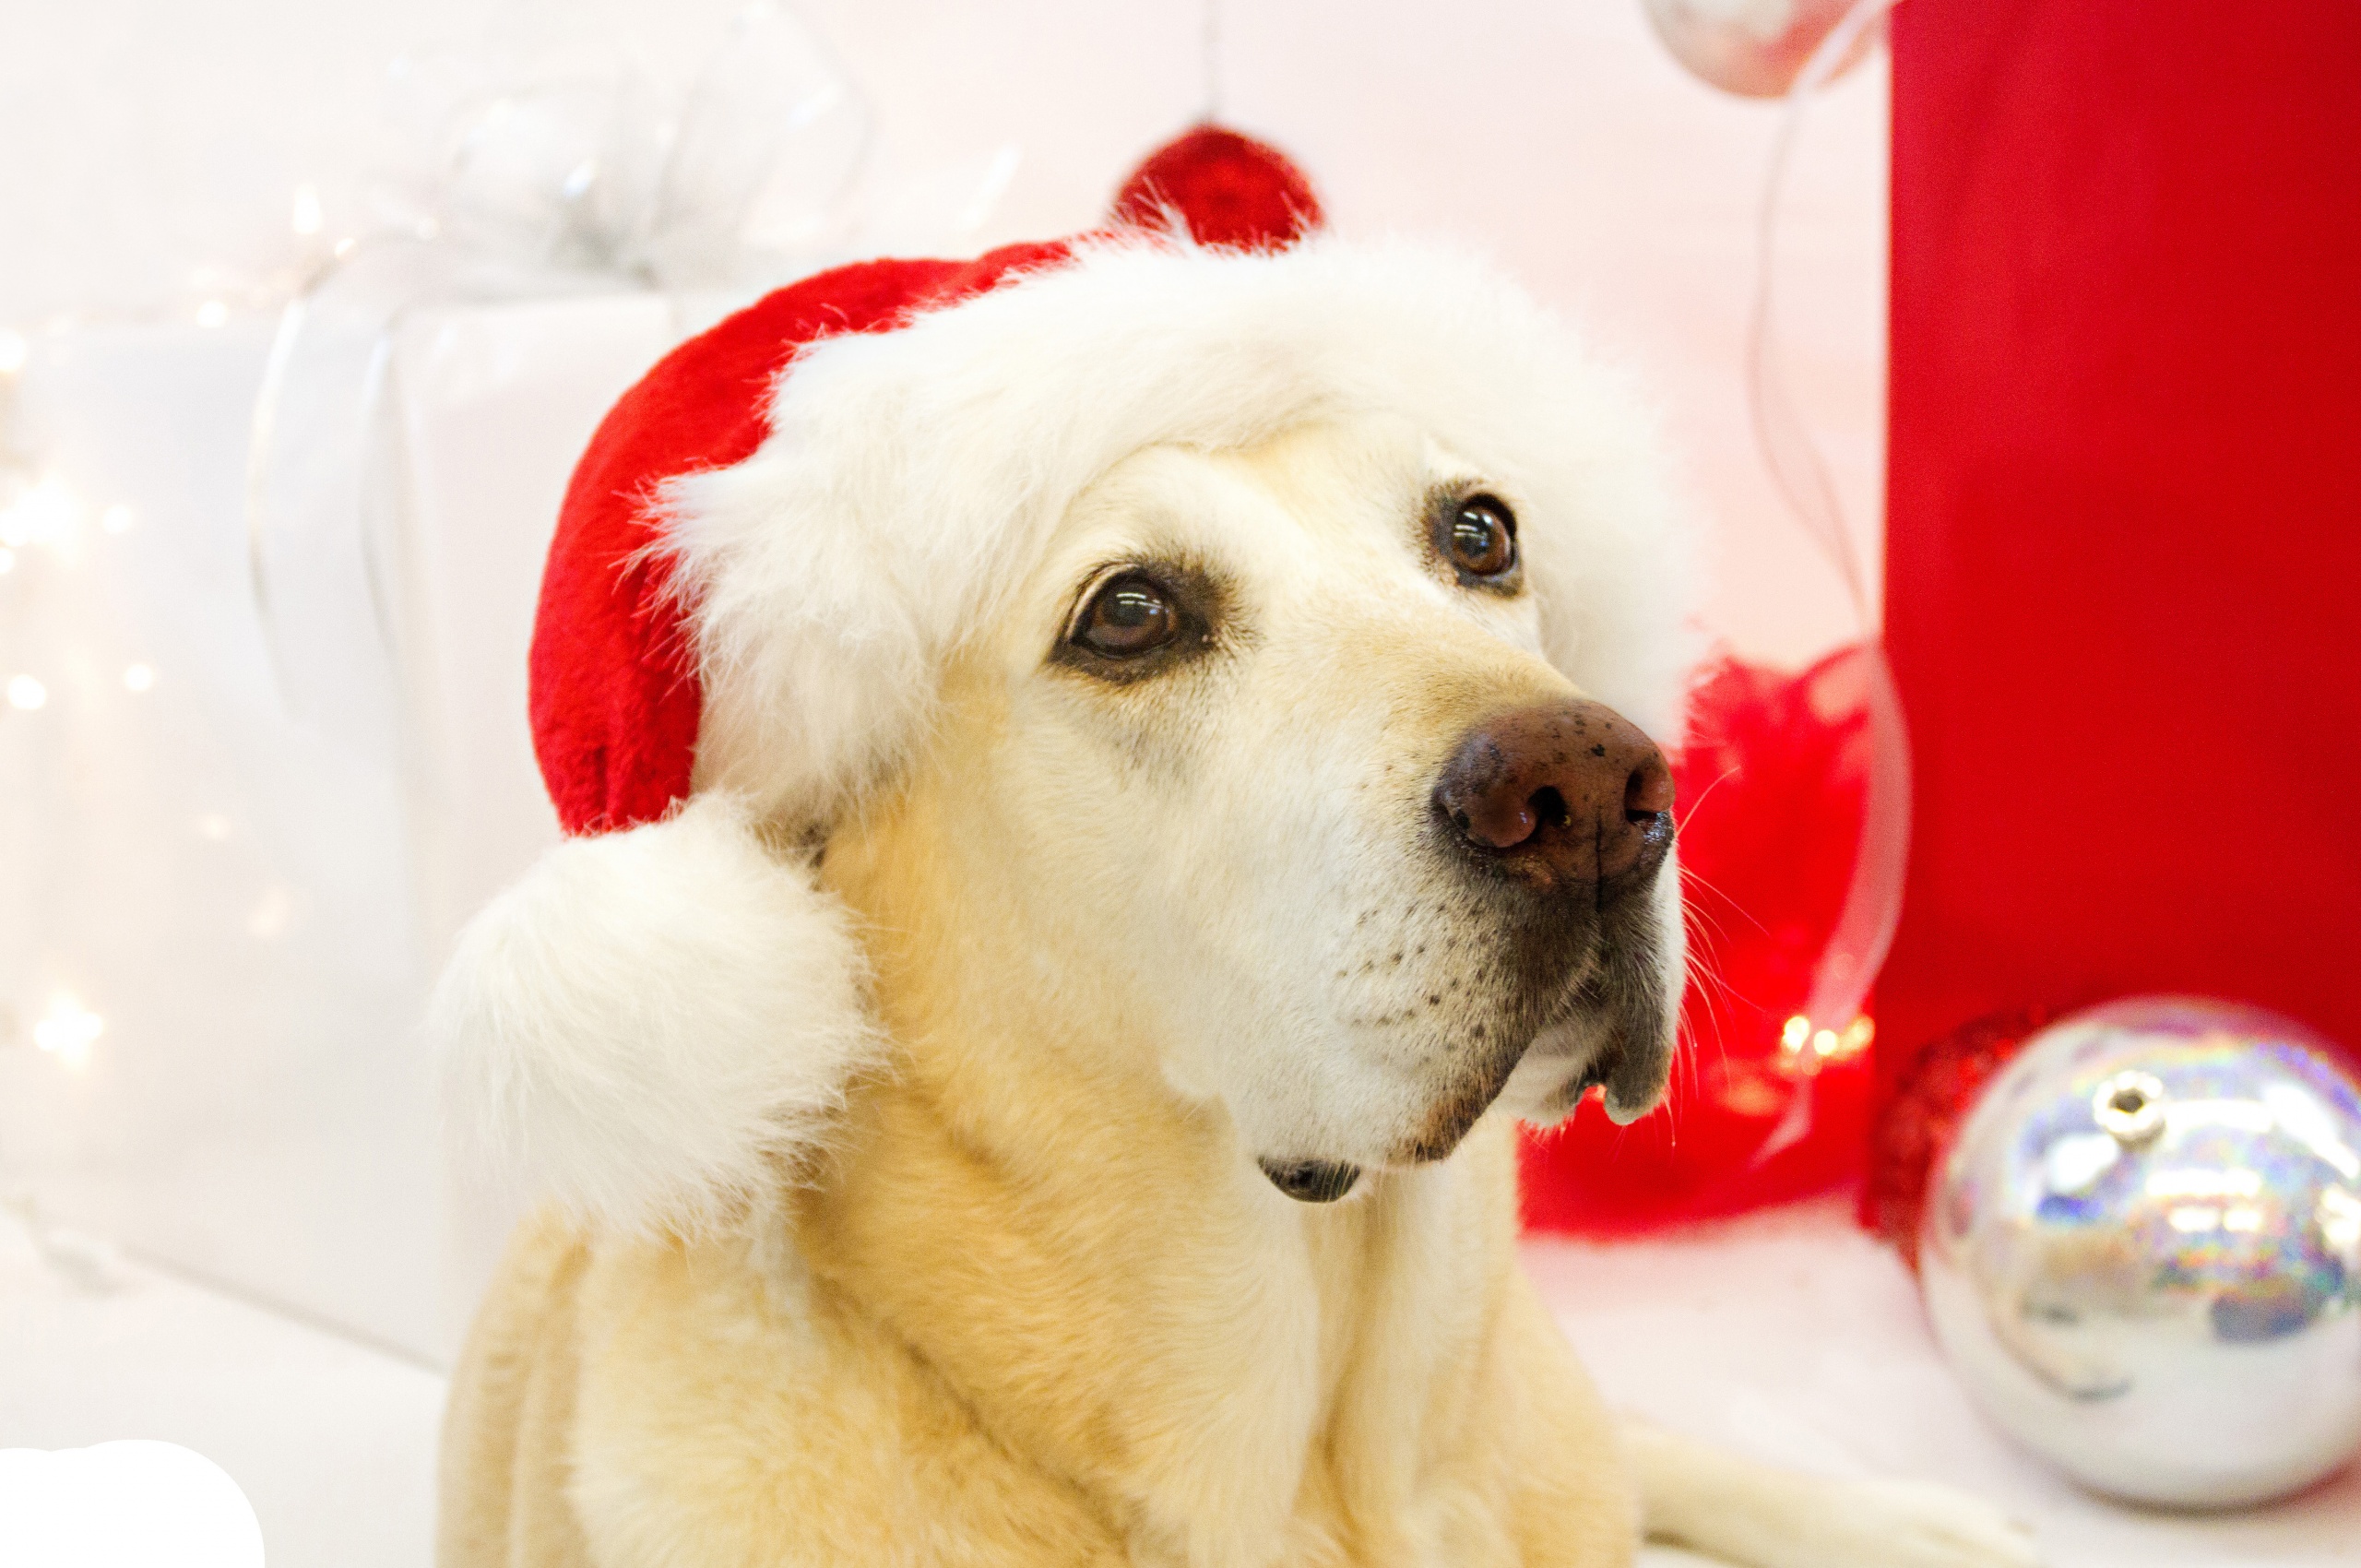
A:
[(651, 1019)]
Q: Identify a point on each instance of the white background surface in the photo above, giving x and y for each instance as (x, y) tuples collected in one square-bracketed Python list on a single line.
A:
[(150, 149), (1790, 1336)]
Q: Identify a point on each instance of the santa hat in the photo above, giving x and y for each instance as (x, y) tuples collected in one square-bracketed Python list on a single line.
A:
[(776, 538)]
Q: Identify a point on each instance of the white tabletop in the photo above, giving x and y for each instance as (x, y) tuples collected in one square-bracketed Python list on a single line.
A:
[(1790, 1335), (1794, 1336)]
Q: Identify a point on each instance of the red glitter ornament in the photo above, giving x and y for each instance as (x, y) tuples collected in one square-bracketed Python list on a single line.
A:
[(1927, 1094)]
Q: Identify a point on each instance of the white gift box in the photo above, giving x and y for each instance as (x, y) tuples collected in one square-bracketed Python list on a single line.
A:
[(223, 899)]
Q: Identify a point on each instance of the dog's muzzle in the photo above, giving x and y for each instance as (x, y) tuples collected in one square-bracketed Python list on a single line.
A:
[(1564, 811)]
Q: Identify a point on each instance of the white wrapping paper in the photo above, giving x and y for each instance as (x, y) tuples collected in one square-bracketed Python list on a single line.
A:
[(245, 901)]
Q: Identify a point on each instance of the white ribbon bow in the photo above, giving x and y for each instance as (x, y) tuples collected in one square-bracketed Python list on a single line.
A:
[(568, 186)]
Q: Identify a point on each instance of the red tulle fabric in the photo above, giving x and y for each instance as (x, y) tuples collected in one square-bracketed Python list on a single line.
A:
[(1772, 778)]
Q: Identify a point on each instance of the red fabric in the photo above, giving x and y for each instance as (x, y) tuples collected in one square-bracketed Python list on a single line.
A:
[(2125, 505), (1772, 778), (1229, 189), (616, 699)]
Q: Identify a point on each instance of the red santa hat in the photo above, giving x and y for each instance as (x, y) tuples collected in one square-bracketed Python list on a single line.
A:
[(779, 534)]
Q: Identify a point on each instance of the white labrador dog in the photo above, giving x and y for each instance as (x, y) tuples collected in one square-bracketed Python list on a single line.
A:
[(1250, 859)]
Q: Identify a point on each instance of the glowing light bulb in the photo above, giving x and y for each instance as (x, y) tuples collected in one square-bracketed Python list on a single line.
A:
[(212, 313), (273, 914), (213, 826), (26, 693), (305, 217), (116, 518), (1805, 1050), (44, 512), (138, 678), (68, 1031), (14, 351)]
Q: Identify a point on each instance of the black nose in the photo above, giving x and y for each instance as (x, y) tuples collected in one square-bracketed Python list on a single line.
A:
[(1565, 794)]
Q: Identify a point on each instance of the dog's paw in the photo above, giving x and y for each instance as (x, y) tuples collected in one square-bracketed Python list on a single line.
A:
[(1891, 1524), (1760, 1517)]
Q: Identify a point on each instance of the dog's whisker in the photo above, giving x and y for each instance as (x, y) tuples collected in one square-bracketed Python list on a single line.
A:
[(1690, 875), (1683, 818)]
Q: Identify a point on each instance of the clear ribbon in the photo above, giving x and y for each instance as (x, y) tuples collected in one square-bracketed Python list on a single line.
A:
[(1872, 907), (565, 187)]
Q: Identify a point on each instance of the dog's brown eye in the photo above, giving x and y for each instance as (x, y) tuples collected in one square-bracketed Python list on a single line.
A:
[(1481, 537), (1129, 616)]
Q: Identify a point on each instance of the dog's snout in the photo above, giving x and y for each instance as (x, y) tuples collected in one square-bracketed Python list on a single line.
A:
[(1565, 794)]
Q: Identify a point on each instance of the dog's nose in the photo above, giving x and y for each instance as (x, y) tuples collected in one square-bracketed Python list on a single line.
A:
[(1569, 792)]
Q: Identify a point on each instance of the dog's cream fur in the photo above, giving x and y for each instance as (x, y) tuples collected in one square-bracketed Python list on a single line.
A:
[(909, 1201), (911, 489), (1033, 1301)]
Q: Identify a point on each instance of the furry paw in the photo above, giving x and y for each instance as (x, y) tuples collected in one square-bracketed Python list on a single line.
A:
[(1888, 1523), (1760, 1517)]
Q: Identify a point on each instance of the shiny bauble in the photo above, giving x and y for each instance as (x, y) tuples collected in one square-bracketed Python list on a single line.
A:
[(2142, 1253), (1754, 48)]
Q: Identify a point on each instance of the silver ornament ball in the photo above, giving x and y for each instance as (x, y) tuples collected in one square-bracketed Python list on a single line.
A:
[(1753, 48), (2142, 1253)]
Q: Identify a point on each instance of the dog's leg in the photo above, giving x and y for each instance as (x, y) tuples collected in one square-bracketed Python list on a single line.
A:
[(1696, 1496)]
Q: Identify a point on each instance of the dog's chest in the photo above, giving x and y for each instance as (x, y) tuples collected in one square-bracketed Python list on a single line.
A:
[(1344, 1409)]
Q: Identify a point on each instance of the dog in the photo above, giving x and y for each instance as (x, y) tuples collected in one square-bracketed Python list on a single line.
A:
[(1100, 1144)]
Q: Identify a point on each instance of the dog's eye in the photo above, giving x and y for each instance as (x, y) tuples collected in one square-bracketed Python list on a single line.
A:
[(1129, 616), (1480, 536)]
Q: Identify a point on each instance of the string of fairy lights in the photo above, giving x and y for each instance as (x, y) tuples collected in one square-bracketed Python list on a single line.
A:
[(46, 518), (39, 514)]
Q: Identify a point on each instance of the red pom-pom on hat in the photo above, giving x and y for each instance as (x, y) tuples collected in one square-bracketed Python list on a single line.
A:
[(1231, 190)]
